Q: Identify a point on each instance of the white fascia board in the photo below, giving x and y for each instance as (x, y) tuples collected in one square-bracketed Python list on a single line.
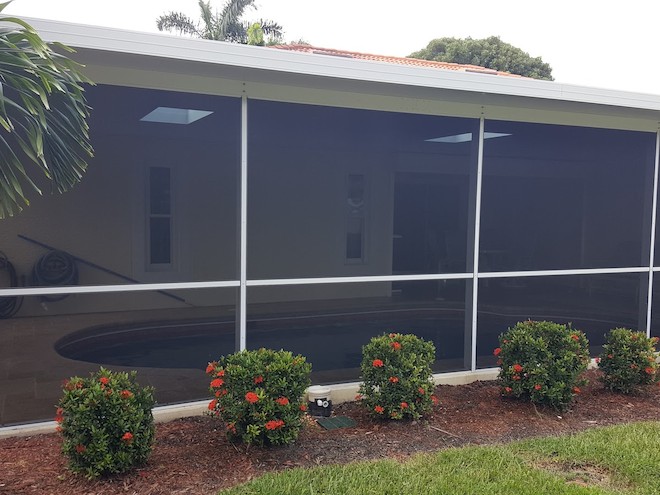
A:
[(167, 46)]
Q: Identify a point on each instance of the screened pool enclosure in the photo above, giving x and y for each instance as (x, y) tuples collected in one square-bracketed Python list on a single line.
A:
[(230, 209)]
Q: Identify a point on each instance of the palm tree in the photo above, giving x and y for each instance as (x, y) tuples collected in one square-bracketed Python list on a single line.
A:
[(43, 115), (220, 26)]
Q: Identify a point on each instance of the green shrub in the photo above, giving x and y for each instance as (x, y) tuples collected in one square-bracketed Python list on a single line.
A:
[(106, 422), (628, 360), (397, 376), (259, 395), (542, 361)]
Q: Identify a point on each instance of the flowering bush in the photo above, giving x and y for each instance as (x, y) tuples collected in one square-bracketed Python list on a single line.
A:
[(106, 422), (628, 360), (259, 395), (397, 376), (542, 361)]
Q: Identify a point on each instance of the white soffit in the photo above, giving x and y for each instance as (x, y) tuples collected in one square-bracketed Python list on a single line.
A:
[(166, 46)]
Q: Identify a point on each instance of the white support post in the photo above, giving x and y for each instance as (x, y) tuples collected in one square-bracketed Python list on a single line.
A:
[(477, 226), (242, 293), (653, 221)]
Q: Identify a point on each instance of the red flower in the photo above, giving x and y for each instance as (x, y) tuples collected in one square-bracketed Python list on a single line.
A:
[(220, 373), (649, 371), (258, 379), (251, 397), (210, 368), (217, 383), (231, 427), (396, 346), (59, 419), (404, 405), (393, 379), (421, 391), (497, 351), (274, 424), (377, 363), (358, 397), (610, 356), (392, 335), (576, 390), (303, 407), (282, 401), (537, 387), (127, 437), (517, 368), (516, 377), (435, 400), (508, 390), (59, 411), (498, 362), (379, 409), (597, 360), (575, 337), (80, 448), (104, 380), (634, 366), (212, 404), (126, 394), (58, 429)]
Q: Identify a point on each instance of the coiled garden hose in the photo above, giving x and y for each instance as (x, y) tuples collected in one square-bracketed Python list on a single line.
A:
[(9, 306), (54, 269)]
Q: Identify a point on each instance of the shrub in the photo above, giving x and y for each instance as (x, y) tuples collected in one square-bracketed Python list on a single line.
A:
[(541, 361), (628, 360), (106, 422), (259, 395), (397, 376)]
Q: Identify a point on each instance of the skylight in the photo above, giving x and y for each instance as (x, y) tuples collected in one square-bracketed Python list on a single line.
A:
[(169, 115), (463, 138)]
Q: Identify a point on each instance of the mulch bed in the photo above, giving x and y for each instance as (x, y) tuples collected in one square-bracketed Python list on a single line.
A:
[(192, 455)]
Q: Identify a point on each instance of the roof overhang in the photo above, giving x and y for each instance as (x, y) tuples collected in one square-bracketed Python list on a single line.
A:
[(115, 56)]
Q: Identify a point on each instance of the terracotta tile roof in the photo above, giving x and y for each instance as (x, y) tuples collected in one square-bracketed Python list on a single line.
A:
[(413, 62)]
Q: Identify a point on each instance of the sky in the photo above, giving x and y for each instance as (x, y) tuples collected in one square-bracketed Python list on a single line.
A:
[(605, 44)]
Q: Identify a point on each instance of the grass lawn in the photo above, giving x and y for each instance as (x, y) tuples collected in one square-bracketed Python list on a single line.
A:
[(622, 459)]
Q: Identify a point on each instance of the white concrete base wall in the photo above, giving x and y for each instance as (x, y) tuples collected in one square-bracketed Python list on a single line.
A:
[(343, 392)]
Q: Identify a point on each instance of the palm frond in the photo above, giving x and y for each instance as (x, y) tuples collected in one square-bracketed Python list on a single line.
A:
[(177, 22), (43, 115), (230, 17)]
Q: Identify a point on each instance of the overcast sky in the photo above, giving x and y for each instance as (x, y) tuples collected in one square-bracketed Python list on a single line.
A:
[(602, 43)]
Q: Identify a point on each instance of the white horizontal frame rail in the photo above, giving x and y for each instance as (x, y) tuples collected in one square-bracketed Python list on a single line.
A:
[(579, 271), (443, 276), (99, 289), (366, 278)]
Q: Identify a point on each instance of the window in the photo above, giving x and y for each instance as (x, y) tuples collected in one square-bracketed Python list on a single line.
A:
[(355, 217), (160, 218)]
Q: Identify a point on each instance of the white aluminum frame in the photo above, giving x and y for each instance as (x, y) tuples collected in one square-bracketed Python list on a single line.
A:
[(243, 283)]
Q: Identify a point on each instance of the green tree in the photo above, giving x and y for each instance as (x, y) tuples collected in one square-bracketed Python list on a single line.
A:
[(43, 115), (225, 25), (489, 52)]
